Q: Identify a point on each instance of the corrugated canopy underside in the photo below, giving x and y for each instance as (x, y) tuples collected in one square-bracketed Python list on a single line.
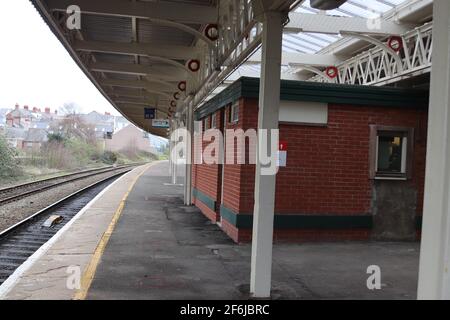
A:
[(115, 44)]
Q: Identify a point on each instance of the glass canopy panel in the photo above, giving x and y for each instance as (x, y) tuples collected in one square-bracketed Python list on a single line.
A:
[(312, 43)]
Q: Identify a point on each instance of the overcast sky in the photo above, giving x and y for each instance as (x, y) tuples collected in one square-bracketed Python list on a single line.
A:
[(35, 69)]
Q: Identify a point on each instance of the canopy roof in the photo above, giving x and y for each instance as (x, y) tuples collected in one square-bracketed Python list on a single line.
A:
[(141, 53)]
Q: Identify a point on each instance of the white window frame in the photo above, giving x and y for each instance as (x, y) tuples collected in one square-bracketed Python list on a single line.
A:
[(207, 123), (407, 153), (234, 115), (213, 120)]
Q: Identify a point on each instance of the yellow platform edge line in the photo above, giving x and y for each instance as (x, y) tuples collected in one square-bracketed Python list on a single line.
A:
[(89, 273)]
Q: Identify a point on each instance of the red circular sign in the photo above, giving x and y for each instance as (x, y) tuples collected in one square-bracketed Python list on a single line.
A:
[(332, 72), (194, 65), (182, 85), (212, 32), (395, 43)]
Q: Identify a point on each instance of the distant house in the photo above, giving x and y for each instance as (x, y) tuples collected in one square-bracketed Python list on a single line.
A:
[(97, 118), (41, 124), (25, 117), (15, 136), (19, 118), (33, 125), (34, 139), (130, 138), (103, 131), (120, 123), (105, 122), (47, 115)]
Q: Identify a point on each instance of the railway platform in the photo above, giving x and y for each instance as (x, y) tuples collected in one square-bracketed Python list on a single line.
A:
[(137, 240)]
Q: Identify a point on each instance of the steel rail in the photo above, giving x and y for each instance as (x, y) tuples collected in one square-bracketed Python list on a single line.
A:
[(85, 174), (19, 241), (3, 233)]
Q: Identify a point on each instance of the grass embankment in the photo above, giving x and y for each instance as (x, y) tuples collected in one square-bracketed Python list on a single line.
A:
[(60, 156)]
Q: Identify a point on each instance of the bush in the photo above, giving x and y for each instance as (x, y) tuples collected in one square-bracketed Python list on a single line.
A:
[(82, 151), (8, 163), (57, 156), (55, 138), (62, 153), (108, 157)]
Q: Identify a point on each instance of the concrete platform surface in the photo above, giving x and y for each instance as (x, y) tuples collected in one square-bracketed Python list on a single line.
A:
[(161, 249), (45, 275)]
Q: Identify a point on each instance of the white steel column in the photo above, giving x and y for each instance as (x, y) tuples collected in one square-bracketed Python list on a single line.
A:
[(434, 280), (188, 173), (170, 152), (175, 158), (269, 101)]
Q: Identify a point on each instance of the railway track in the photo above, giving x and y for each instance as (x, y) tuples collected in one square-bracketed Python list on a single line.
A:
[(23, 190), (20, 241)]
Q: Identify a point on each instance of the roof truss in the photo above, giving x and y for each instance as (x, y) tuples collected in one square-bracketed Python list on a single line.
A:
[(180, 12)]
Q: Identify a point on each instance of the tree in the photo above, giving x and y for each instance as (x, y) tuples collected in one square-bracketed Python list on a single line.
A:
[(72, 126), (55, 138), (69, 108), (8, 162)]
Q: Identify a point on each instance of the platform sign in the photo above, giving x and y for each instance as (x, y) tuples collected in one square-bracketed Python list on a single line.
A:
[(160, 123), (149, 113), (282, 154)]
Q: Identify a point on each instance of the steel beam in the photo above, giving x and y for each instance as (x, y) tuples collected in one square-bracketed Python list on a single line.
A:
[(136, 110), (318, 23), (291, 58), (180, 12), (127, 100), (139, 84), (129, 92), (378, 66), (160, 73), (143, 49)]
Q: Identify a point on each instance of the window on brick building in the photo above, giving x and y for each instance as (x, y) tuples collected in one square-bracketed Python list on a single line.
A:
[(234, 112), (391, 152), (206, 123), (213, 120)]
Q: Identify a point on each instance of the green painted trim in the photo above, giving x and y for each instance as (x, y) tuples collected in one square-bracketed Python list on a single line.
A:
[(299, 221), (207, 200), (246, 87), (238, 220), (419, 222), (232, 93)]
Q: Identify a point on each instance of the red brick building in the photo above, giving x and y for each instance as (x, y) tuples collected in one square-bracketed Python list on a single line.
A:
[(355, 162)]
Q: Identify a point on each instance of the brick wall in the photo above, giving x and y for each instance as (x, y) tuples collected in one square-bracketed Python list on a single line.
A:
[(234, 186), (327, 169), (207, 178)]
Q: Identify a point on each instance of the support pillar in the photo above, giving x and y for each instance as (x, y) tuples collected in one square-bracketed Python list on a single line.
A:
[(170, 153), (174, 157), (269, 101), (189, 160), (434, 276)]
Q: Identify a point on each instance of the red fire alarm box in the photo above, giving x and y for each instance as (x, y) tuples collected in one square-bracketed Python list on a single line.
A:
[(282, 154)]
